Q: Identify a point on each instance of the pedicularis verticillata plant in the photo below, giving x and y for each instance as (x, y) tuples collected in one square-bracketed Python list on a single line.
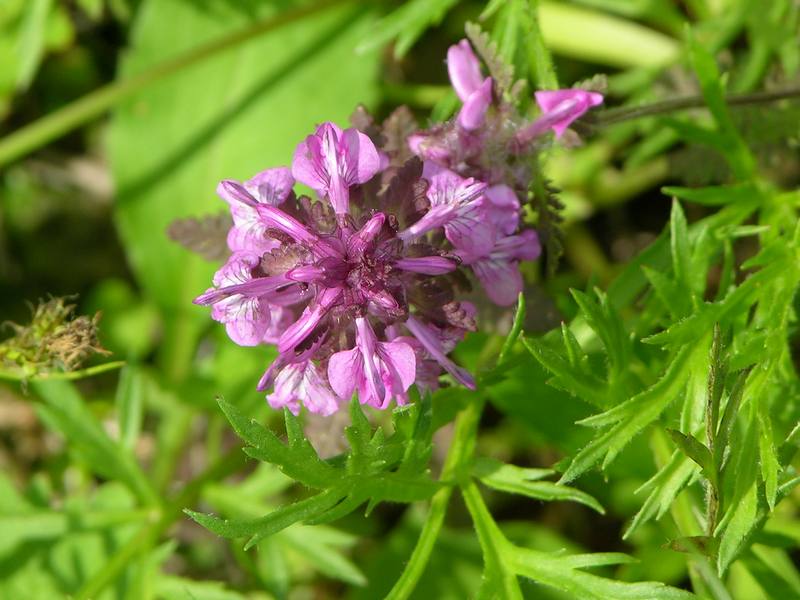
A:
[(373, 284)]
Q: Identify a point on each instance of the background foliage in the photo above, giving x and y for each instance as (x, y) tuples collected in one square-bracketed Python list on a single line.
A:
[(633, 436)]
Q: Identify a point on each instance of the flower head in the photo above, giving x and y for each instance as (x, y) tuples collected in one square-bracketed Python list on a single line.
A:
[(336, 290), (359, 288)]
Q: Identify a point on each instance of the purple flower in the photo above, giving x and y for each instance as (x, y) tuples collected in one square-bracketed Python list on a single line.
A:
[(433, 342), (246, 317), (498, 271), (503, 207), (380, 371), (562, 107), (355, 287), (302, 383), (271, 187), (458, 206), (331, 161), (559, 109), (473, 90)]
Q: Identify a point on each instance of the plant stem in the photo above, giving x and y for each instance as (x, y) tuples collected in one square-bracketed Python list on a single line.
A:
[(50, 127), (458, 458), (627, 113), (64, 375), (149, 534)]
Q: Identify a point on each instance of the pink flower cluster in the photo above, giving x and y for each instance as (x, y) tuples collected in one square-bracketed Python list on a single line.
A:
[(359, 289)]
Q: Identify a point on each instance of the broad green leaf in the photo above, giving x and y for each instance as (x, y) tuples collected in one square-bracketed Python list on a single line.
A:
[(525, 481), (406, 24), (233, 115), (65, 412)]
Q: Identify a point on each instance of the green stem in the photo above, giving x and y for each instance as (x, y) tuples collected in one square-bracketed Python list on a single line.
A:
[(52, 126), (63, 375), (627, 113), (150, 534), (458, 459)]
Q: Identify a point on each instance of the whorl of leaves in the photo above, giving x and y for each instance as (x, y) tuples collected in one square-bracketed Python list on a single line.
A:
[(205, 236)]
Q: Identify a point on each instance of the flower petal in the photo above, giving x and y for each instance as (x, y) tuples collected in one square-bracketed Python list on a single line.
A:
[(345, 372), (427, 265), (433, 345), (473, 113), (312, 315), (503, 208), (399, 358), (464, 69), (562, 107), (362, 158), (272, 186), (500, 278)]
